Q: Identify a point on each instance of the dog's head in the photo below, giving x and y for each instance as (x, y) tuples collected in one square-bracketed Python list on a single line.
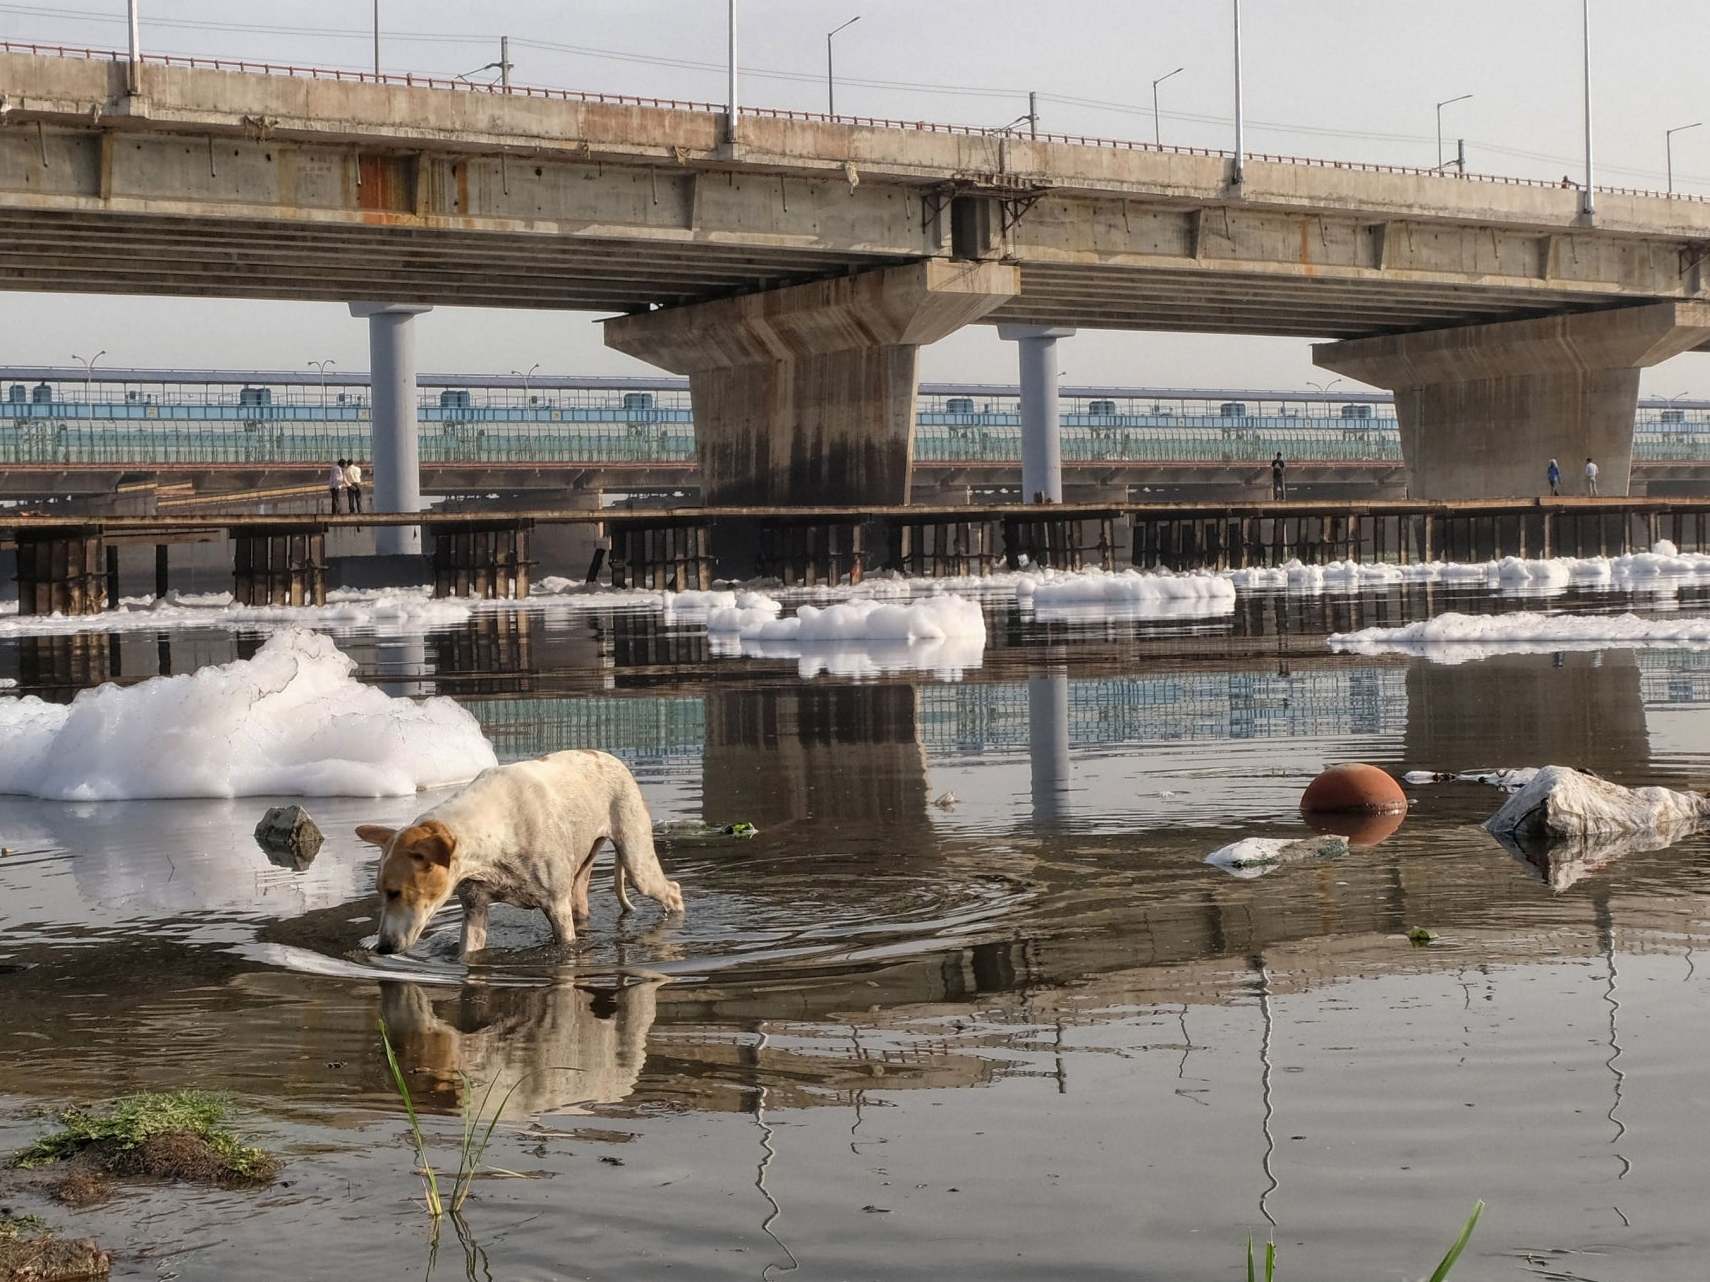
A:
[(415, 878)]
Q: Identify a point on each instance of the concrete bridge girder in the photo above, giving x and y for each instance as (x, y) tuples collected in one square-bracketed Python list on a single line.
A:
[(213, 182)]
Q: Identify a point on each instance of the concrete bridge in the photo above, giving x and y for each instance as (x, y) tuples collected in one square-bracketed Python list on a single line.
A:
[(793, 265)]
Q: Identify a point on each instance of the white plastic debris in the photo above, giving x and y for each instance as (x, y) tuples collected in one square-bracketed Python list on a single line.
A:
[(1255, 856), (1561, 802), (1509, 780)]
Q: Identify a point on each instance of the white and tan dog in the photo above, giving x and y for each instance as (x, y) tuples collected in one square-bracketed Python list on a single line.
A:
[(522, 834)]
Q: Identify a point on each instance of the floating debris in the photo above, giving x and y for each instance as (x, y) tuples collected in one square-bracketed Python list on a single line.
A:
[(289, 837)]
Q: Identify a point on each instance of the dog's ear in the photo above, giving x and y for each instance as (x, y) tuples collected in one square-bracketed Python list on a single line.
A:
[(434, 842), (375, 835)]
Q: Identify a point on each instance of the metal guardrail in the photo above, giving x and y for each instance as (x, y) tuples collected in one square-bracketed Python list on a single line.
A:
[(412, 81)]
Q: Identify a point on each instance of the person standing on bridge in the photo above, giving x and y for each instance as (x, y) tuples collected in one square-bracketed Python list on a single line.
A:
[(1590, 478), (336, 483), (353, 486), (1553, 473), (1279, 484)]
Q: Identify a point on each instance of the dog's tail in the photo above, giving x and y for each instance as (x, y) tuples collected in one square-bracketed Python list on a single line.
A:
[(632, 835)]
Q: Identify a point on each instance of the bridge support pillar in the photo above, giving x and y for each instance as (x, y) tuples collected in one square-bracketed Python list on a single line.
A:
[(1041, 421), (396, 480), (1483, 408), (805, 395)]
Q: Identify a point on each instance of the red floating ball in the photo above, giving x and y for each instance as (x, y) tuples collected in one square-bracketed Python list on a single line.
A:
[(1353, 788)]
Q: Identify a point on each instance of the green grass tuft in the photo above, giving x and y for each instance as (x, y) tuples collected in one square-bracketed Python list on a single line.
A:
[(16, 1227), (1442, 1270), (131, 1121)]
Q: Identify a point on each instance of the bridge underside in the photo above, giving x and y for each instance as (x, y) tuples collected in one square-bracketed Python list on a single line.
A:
[(72, 251)]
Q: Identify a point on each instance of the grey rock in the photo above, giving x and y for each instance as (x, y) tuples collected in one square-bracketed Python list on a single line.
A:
[(289, 837)]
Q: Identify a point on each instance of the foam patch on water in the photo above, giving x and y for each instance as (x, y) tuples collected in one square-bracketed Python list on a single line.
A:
[(1663, 569), (384, 610), (291, 721), (1460, 638), (861, 637)]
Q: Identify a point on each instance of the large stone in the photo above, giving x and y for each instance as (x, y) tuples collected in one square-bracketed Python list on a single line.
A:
[(289, 837)]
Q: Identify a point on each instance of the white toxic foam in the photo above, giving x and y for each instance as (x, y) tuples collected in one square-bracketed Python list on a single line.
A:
[(1662, 569), (862, 637), (1458, 638), (1095, 593), (387, 610), (291, 721)]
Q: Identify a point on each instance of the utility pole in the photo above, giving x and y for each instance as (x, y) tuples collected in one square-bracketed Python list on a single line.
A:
[(377, 39), (1032, 114), (505, 63), (1446, 102)]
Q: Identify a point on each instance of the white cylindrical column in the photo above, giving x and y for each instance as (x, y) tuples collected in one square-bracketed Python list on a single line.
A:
[(1041, 424), (395, 473)]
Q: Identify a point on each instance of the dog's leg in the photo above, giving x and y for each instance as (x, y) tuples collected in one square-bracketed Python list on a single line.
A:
[(622, 897), (475, 907), (561, 916), (579, 885)]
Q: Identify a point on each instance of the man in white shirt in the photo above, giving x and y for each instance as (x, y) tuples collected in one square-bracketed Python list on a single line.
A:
[(353, 485), (1590, 478), (336, 483)]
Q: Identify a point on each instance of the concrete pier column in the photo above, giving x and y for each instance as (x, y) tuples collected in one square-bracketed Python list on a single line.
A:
[(1041, 420), (395, 479), (1484, 408), (806, 395)]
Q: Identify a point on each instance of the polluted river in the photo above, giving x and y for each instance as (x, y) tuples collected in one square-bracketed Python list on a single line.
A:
[(956, 993)]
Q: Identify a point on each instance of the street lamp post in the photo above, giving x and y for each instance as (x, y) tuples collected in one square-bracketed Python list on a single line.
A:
[(1587, 201), (830, 80), (1324, 390), (525, 376), (1668, 147), (1157, 130), (733, 111), (88, 369), (1440, 107), (322, 366), (1240, 119)]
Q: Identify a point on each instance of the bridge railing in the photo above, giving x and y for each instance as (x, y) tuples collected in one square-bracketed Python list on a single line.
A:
[(456, 85), (96, 443)]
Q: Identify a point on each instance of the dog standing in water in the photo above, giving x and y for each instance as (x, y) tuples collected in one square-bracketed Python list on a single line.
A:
[(522, 834)]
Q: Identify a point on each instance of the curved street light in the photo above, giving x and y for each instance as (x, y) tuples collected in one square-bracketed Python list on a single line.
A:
[(1668, 148), (88, 368), (1157, 131), (830, 82), (1446, 102), (525, 377), (322, 366)]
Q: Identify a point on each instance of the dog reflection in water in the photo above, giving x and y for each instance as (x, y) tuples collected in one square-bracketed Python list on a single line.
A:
[(563, 1048), (522, 834)]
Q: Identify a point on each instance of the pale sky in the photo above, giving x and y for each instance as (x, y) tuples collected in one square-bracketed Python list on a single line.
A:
[(1342, 79)]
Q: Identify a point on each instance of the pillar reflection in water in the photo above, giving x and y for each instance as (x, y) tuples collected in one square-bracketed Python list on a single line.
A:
[(823, 752), (1048, 744)]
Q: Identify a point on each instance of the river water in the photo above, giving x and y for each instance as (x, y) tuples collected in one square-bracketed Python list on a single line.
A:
[(969, 1006)]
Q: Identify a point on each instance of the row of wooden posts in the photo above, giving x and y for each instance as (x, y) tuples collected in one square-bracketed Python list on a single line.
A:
[(74, 570)]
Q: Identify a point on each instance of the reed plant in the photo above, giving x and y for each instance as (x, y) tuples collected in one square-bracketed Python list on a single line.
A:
[(1438, 1275), (476, 1133)]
